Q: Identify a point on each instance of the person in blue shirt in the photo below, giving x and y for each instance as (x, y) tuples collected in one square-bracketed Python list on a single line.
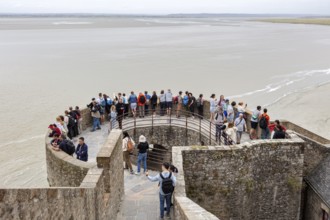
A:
[(148, 97), (82, 150), (167, 183), (133, 103)]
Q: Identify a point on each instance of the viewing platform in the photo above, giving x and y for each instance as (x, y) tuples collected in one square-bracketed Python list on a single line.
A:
[(214, 177)]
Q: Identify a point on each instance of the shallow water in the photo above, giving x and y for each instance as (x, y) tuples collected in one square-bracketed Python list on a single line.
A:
[(48, 64)]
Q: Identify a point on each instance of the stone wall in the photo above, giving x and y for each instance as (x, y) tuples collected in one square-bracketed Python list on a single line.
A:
[(97, 196), (63, 170), (258, 181)]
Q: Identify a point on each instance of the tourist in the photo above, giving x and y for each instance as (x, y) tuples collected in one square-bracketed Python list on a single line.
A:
[(71, 124), (141, 103), (231, 132), (240, 124), (107, 104), (241, 109), (133, 103), (222, 101), (61, 125), (142, 147), (65, 145), (279, 132), (219, 120), (76, 117), (101, 103), (231, 112), (120, 108), (154, 101), (213, 107), (186, 101), (191, 104), (167, 183), (53, 129), (82, 150), (275, 127), (80, 119), (147, 105), (225, 108), (200, 106), (126, 104), (126, 141), (162, 100), (179, 105), (96, 115), (113, 117), (254, 122), (56, 140), (169, 102), (263, 124)]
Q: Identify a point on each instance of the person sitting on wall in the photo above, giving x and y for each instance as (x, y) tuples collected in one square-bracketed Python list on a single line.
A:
[(82, 150), (279, 132), (56, 140), (64, 145), (53, 129)]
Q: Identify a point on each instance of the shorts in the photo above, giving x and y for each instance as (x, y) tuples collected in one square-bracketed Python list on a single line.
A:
[(133, 106), (254, 125), (212, 109), (225, 113), (169, 104)]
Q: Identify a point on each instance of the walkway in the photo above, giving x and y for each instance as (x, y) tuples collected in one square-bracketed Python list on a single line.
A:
[(141, 200)]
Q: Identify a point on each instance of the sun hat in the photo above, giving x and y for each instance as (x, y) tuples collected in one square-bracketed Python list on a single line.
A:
[(142, 139)]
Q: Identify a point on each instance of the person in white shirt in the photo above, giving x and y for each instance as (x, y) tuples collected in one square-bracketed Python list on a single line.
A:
[(230, 112), (213, 106), (127, 160), (254, 122), (231, 131), (169, 101)]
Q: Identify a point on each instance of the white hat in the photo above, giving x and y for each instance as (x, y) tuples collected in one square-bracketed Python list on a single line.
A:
[(142, 139)]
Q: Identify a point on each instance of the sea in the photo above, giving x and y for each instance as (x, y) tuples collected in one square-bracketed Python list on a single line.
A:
[(50, 63)]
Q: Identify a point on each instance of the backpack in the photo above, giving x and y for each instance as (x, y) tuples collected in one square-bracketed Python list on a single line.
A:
[(199, 102), (70, 148), (130, 146), (109, 101), (71, 121), (263, 122), (142, 99), (167, 184), (185, 100), (176, 100)]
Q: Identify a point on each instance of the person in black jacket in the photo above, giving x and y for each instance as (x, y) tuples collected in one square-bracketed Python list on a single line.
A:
[(82, 150), (143, 147), (120, 108)]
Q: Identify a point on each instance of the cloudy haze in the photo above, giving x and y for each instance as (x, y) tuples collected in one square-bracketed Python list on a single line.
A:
[(166, 6)]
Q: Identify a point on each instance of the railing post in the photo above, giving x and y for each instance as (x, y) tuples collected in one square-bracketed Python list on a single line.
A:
[(134, 126), (210, 133), (186, 130), (152, 124), (200, 130)]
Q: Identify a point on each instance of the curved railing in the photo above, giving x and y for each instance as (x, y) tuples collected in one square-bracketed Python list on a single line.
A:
[(187, 120)]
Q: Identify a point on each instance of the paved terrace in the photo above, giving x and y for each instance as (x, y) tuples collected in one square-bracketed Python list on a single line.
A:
[(141, 199)]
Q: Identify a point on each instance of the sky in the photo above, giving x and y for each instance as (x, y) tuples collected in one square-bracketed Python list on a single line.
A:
[(167, 6)]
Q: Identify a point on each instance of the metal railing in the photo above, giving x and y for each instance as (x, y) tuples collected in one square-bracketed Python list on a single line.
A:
[(187, 120)]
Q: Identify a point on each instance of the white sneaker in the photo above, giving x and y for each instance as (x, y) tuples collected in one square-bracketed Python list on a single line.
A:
[(137, 173)]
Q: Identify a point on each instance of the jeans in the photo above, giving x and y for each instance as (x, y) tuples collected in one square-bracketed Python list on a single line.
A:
[(162, 108), (265, 133), (142, 158), (218, 133), (113, 123), (96, 123), (167, 199), (239, 136), (146, 109)]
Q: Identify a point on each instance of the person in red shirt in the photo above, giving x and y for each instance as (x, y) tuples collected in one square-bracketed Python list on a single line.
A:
[(54, 130), (141, 103), (264, 125)]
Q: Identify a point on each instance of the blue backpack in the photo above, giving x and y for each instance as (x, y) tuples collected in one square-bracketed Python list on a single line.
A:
[(185, 100), (109, 101)]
